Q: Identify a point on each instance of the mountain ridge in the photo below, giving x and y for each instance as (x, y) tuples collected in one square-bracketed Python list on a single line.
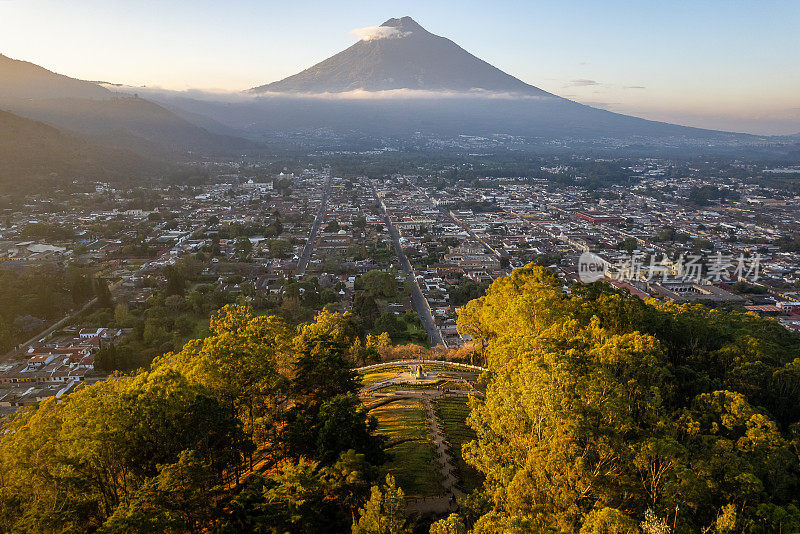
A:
[(109, 118), (23, 79)]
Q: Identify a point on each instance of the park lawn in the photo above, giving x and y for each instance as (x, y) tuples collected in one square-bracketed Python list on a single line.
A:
[(402, 419), (410, 386), (440, 369), (414, 386), (452, 413), (381, 374), (412, 461)]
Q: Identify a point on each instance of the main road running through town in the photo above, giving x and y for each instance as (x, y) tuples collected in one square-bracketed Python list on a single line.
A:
[(420, 302), (305, 256)]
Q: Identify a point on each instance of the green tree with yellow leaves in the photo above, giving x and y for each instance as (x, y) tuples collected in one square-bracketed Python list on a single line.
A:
[(600, 406)]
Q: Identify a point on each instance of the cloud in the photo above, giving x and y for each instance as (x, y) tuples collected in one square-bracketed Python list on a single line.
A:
[(601, 105), (370, 33), (361, 94), (357, 94), (583, 83), (634, 87)]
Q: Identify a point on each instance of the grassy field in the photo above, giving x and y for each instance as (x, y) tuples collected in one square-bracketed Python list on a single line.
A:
[(412, 463), (441, 371), (368, 379), (438, 384), (452, 413)]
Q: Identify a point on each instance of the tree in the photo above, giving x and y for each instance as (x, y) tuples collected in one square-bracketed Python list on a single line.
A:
[(303, 496), (243, 247), (175, 303), (103, 294), (350, 480), (80, 285), (332, 327), (279, 248), (600, 406), (362, 354), (277, 225), (379, 284), (176, 281), (242, 362), (155, 452), (325, 430), (369, 351), (6, 336), (71, 463), (295, 499), (122, 315), (385, 511), (653, 524), (180, 499), (366, 307), (629, 244), (388, 324), (453, 524), (609, 521)]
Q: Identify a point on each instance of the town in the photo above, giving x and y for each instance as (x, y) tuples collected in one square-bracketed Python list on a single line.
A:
[(107, 278)]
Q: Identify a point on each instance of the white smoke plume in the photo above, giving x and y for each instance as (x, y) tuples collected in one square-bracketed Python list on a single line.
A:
[(371, 33)]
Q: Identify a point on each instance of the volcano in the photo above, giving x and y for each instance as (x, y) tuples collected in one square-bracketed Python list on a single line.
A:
[(401, 54), (399, 79)]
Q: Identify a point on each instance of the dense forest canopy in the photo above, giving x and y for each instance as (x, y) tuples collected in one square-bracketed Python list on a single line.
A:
[(165, 450), (603, 414), (603, 410)]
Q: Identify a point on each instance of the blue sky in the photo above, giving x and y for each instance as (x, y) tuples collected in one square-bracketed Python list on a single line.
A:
[(721, 64)]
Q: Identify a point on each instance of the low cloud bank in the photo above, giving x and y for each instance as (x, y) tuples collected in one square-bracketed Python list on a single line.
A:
[(358, 94)]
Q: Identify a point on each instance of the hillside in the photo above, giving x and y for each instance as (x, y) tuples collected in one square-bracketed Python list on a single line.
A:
[(132, 123), (21, 79), (34, 154), (105, 117)]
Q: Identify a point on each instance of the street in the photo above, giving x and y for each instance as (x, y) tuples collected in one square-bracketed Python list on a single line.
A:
[(420, 302)]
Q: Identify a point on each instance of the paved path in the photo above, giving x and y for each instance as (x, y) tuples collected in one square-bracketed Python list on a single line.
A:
[(305, 256), (420, 302), (416, 361)]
